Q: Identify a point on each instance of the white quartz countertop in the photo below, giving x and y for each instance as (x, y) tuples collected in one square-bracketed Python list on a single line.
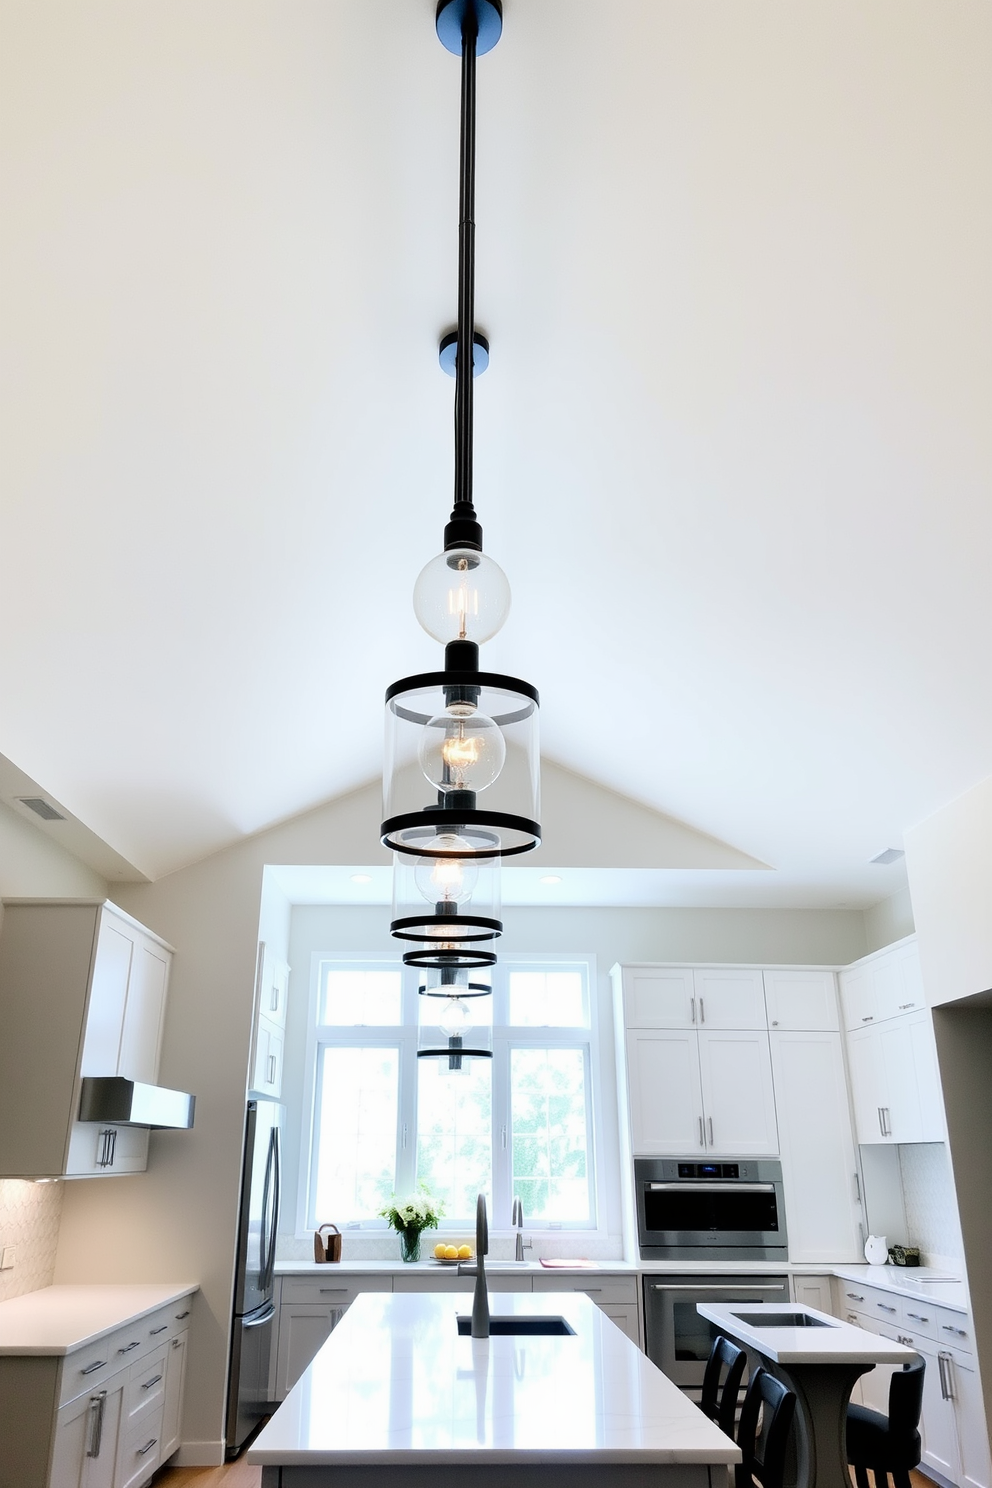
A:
[(835, 1343), (398, 1267), (910, 1281), (59, 1319), (396, 1385)]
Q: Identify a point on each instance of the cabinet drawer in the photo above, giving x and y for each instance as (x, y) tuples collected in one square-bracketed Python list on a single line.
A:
[(89, 1368), (140, 1450), (605, 1290), (445, 1280), (146, 1387), (919, 1317), (336, 1291), (954, 1329)]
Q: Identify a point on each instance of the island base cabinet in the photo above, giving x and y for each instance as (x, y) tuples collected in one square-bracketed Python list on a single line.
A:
[(86, 1439)]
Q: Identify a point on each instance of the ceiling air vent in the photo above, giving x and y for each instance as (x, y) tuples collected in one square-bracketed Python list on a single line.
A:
[(41, 808), (890, 855)]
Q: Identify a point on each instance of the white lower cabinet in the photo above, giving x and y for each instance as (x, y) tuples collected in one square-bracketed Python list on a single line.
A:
[(813, 1291), (701, 1091), (175, 1380), (614, 1295), (87, 1436)]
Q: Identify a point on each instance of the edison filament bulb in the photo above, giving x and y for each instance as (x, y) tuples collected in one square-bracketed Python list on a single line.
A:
[(461, 595), (461, 749), (445, 879)]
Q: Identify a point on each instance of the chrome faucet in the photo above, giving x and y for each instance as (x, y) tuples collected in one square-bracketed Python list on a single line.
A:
[(480, 1298), (517, 1221)]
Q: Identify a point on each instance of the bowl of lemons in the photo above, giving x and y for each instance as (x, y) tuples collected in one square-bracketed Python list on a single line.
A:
[(450, 1255)]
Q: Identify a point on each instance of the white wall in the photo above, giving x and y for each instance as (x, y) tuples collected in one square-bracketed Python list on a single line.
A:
[(889, 920)]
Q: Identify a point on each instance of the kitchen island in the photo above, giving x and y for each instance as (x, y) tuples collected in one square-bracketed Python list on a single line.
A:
[(396, 1395)]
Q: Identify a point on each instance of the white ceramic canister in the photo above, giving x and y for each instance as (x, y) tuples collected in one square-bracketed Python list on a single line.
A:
[(876, 1250)]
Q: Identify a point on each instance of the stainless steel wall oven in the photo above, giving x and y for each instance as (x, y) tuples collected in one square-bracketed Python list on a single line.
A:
[(731, 1210), (677, 1339)]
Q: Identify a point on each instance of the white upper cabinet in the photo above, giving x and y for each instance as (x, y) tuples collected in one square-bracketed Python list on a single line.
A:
[(729, 997), (269, 1024), (657, 997), (801, 1001), (82, 993), (738, 1098), (882, 986), (666, 1106)]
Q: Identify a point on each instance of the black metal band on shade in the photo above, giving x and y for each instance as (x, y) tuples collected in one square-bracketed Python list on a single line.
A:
[(451, 958), (463, 928), (442, 680), (471, 989), (514, 834), (445, 1052)]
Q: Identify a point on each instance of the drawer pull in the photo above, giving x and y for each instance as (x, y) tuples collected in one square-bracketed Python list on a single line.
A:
[(129, 1346), (855, 1296), (333, 1289), (918, 1317), (147, 1447), (177, 1343), (885, 1307), (159, 1330), (92, 1368), (587, 1289), (961, 1332), (181, 1315), (153, 1381), (870, 1018), (904, 1005)]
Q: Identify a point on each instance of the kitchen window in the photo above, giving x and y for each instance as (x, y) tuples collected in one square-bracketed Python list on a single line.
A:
[(518, 1124)]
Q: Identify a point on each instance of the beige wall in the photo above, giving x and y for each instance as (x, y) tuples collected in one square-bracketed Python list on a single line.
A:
[(889, 920)]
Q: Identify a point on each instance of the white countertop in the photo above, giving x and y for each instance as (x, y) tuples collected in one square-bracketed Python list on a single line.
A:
[(59, 1319), (910, 1281), (836, 1343), (395, 1384)]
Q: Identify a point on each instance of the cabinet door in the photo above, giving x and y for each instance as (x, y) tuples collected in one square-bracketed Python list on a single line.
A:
[(738, 1096), (267, 1073), (624, 1314), (666, 1111), (812, 1291), (100, 1151), (937, 1426), (928, 1088), (86, 1439), (801, 1001), (657, 997), (901, 1113), (175, 1379), (727, 997), (818, 1162), (857, 997), (869, 1090), (302, 1331), (144, 1012), (108, 997), (969, 1415)]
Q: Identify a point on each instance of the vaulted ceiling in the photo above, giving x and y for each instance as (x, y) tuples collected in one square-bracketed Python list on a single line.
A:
[(733, 447)]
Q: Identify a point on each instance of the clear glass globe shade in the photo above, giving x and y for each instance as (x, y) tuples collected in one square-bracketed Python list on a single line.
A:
[(462, 749), (446, 880), (461, 595)]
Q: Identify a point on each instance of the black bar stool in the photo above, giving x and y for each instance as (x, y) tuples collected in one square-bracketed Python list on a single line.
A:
[(717, 1401), (888, 1444), (770, 1400)]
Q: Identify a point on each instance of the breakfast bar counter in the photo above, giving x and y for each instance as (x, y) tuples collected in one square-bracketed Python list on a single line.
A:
[(395, 1393)]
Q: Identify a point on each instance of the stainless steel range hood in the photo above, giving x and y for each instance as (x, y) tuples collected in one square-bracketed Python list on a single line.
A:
[(129, 1103)]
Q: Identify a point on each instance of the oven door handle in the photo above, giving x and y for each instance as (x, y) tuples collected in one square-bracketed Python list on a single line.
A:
[(664, 1286), (703, 1187)]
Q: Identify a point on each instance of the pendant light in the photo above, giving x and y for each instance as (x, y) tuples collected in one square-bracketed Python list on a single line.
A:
[(461, 771)]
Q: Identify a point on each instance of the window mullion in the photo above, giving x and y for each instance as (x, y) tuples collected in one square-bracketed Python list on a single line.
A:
[(406, 1115), (501, 1197)]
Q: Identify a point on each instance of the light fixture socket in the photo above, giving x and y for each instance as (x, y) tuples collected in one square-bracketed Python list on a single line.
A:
[(443, 900)]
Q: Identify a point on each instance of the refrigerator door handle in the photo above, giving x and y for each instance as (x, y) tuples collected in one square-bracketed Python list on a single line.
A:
[(269, 1216), (266, 1317)]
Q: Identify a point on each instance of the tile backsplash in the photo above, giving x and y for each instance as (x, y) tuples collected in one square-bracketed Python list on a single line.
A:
[(29, 1221), (931, 1204)]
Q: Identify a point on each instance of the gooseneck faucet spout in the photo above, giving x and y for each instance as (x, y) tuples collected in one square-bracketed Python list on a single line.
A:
[(480, 1299)]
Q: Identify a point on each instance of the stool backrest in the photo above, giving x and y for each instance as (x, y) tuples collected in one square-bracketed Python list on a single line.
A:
[(906, 1397), (720, 1402), (767, 1399)]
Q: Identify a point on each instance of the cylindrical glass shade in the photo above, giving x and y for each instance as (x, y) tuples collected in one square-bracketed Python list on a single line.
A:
[(461, 761), (439, 900), (455, 1029)]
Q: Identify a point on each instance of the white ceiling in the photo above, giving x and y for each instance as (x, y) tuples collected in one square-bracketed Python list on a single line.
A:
[(733, 448)]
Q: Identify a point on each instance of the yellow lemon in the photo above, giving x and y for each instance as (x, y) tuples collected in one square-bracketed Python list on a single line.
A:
[(439, 1251), (451, 1252), (464, 1252)]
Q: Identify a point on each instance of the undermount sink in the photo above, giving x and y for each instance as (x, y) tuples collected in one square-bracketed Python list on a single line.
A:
[(552, 1327), (780, 1320)]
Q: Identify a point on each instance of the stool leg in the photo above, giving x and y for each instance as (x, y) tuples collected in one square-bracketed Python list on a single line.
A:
[(861, 1476), (881, 1477)]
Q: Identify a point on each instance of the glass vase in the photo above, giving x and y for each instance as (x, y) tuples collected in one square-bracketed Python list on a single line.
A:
[(410, 1244)]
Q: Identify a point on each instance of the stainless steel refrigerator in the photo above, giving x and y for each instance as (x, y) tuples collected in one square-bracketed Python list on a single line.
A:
[(253, 1325)]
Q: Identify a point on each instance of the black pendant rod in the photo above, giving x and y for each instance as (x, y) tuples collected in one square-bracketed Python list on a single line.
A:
[(463, 530)]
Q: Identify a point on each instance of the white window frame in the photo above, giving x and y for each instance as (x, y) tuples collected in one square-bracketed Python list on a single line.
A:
[(404, 1036)]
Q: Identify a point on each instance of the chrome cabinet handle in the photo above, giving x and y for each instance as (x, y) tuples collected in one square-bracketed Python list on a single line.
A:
[(588, 1290), (158, 1330), (945, 1363), (903, 1006), (870, 1018), (128, 1347), (92, 1368), (98, 1405), (702, 1139), (177, 1343), (153, 1381), (885, 1307), (960, 1332), (332, 1289), (855, 1296), (108, 1146), (692, 1008), (918, 1317), (710, 1123), (271, 1076), (181, 1315), (147, 1447), (702, 1011)]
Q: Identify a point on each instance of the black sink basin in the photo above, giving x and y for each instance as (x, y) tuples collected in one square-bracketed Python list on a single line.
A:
[(552, 1327), (780, 1320)]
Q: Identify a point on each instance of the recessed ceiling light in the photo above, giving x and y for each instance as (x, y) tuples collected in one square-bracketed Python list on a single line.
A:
[(550, 878), (890, 855), (361, 878)]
